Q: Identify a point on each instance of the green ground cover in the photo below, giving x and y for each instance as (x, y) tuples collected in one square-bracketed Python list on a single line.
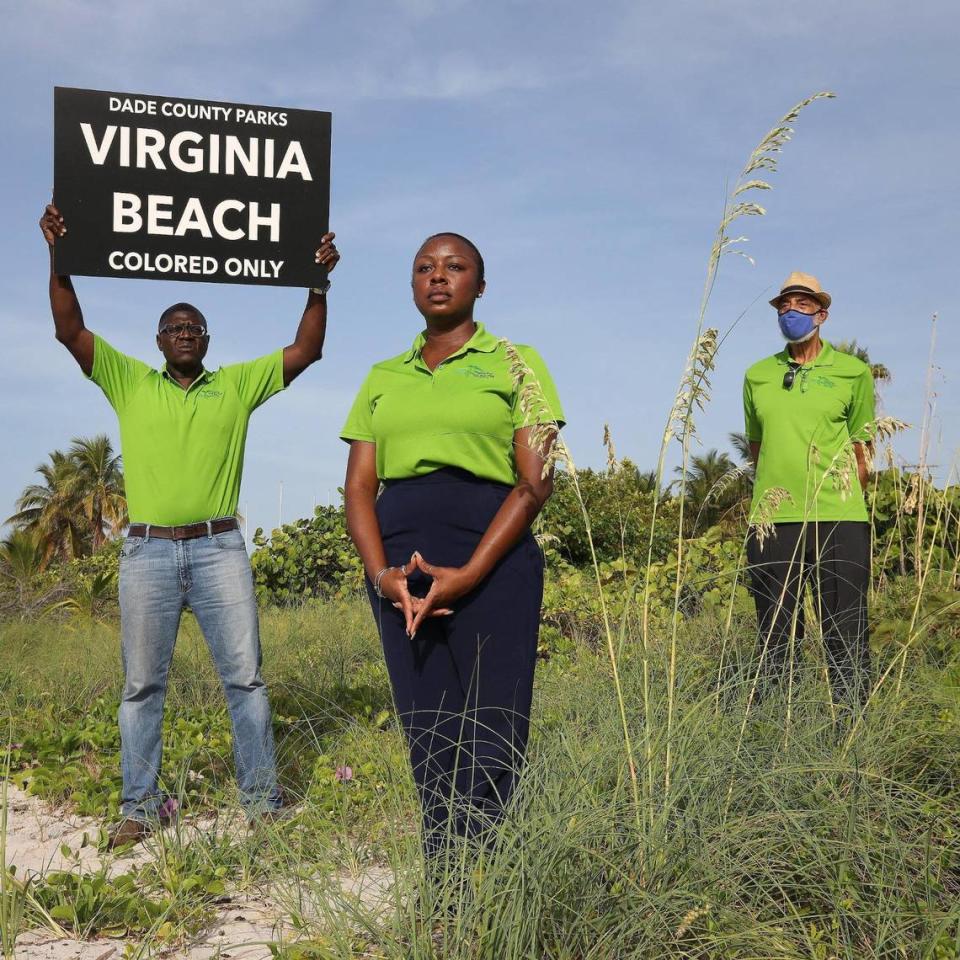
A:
[(807, 838)]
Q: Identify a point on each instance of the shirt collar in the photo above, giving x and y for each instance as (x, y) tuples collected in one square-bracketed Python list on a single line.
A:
[(204, 375), (823, 359), (482, 342)]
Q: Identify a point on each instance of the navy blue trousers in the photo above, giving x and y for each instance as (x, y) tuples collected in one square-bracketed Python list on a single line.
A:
[(463, 686)]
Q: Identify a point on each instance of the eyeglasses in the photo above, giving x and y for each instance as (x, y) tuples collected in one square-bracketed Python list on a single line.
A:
[(791, 375), (184, 330)]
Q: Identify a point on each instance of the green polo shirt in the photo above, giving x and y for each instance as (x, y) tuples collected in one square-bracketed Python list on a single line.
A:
[(803, 430), (462, 414), (183, 449)]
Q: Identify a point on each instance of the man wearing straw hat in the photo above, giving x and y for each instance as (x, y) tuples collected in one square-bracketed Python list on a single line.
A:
[(809, 410)]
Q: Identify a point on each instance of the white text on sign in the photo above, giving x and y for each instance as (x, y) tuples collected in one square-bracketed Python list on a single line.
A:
[(192, 152), (127, 218)]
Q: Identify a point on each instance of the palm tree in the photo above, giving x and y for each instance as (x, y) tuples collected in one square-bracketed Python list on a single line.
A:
[(51, 510), (79, 503), (21, 559), (741, 444), (647, 481), (703, 487), (881, 373), (101, 492)]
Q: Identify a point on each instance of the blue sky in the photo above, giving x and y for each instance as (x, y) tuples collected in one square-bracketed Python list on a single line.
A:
[(585, 148)]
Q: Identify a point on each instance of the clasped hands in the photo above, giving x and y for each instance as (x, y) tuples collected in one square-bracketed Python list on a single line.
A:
[(449, 584)]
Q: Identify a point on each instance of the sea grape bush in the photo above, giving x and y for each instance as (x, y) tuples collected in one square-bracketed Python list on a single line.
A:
[(895, 501), (311, 558), (619, 503)]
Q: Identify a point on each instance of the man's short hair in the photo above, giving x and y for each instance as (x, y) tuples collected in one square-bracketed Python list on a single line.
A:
[(181, 308)]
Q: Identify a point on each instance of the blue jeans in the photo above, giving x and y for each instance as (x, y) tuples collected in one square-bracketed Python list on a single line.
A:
[(212, 575)]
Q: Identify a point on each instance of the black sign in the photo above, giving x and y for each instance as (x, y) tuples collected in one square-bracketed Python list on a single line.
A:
[(170, 189)]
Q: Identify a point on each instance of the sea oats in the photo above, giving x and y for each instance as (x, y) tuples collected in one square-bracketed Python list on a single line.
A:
[(612, 464), (879, 430), (726, 481), (694, 392), (766, 509), (694, 385), (545, 438), (689, 919), (763, 157), (751, 185), (543, 539), (841, 470), (913, 493)]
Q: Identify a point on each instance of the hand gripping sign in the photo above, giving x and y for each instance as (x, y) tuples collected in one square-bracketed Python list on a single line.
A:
[(172, 189)]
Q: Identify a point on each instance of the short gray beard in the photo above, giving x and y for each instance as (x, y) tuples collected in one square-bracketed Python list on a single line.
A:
[(804, 339)]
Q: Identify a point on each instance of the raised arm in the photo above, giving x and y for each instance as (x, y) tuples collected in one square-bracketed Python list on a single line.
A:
[(67, 315), (509, 524), (307, 346)]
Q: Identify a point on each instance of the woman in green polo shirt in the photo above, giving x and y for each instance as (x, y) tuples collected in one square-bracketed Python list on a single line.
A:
[(454, 575)]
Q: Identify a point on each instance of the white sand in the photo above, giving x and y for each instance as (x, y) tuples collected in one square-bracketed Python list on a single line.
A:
[(243, 925)]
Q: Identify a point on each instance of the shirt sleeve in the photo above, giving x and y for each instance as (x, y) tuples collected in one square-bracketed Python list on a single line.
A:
[(115, 373), (751, 421), (861, 414), (258, 380), (359, 425), (536, 399)]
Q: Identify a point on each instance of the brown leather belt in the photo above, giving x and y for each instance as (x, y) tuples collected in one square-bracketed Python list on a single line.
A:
[(189, 531)]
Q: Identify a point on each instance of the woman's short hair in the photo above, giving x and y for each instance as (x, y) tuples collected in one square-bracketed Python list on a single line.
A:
[(449, 233)]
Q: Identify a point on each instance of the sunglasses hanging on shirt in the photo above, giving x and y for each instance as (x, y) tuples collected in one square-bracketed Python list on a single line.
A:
[(791, 375)]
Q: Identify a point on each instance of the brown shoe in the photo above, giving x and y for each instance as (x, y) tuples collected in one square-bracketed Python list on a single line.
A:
[(127, 832)]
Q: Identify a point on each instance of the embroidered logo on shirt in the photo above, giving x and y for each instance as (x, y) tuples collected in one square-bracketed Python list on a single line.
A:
[(210, 394), (823, 381), (472, 370)]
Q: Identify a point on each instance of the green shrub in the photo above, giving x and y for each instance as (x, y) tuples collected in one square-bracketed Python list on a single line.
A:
[(620, 507), (893, 502), (308, 559), (712, 572)]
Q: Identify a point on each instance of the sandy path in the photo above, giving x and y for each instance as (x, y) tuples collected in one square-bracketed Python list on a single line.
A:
[(36, 833)]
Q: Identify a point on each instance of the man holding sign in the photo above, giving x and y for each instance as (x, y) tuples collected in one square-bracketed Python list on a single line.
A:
[(183, 430)]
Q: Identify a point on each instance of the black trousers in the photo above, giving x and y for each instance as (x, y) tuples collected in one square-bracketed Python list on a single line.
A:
[(835, 558), (463, 686)]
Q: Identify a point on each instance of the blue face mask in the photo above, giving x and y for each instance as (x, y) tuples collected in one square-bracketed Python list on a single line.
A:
[(796, 326)]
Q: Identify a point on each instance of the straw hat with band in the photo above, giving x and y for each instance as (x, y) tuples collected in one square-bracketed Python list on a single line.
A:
[(803, 283)]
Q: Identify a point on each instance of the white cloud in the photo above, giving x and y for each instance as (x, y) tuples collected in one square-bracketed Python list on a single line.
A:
[(201, 49)]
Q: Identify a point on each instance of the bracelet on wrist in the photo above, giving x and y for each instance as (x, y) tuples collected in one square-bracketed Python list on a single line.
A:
[(378, 578)]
